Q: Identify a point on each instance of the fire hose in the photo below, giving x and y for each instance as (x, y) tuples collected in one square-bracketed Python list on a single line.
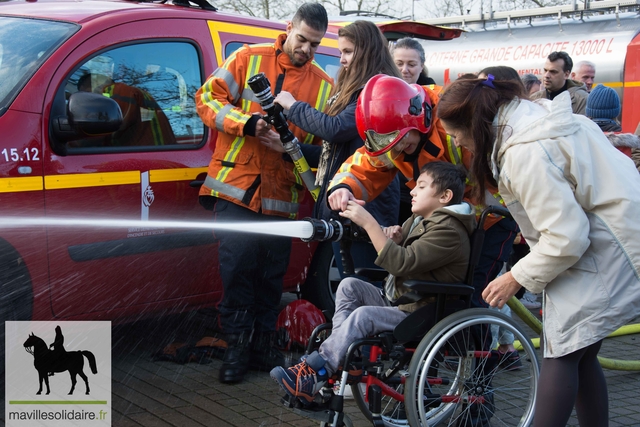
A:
[(343, 231), (332, 230), (261, 87)]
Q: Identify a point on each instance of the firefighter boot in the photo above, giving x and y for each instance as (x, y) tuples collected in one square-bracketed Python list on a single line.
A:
[(235, 362), (264, 355)]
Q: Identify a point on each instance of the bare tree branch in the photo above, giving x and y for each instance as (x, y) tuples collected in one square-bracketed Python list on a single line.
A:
[(421, 9)]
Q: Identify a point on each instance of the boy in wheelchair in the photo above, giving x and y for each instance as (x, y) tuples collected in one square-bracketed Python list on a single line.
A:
[(432, 245)]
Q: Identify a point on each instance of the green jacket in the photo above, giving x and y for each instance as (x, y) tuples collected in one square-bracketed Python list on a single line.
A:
[(437, 249), (578, 92)]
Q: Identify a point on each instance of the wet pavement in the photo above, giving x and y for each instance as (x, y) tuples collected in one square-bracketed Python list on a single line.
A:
[(151, 393), (162, 393)]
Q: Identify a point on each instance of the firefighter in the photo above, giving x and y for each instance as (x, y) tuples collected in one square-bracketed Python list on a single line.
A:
[(409, 57), (246, 181), (401, 132)]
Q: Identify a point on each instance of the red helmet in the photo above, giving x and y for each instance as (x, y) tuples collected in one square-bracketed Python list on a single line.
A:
[(387, 109), (296, 322)]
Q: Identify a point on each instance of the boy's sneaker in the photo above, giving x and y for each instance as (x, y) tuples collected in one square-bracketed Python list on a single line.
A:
[(303, 380), (530, 301)]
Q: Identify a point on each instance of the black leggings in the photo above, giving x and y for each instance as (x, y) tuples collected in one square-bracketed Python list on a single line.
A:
[(576, 378)]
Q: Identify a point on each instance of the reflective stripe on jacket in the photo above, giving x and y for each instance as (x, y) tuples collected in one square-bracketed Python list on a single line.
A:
[(366, 181), (242, 170), (462, 156)]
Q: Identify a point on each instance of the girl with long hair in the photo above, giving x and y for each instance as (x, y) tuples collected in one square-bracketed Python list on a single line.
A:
[(363, 54), (575, 199)]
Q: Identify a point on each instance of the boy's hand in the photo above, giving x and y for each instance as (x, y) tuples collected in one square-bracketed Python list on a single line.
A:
[(359, 215), (394, 233)]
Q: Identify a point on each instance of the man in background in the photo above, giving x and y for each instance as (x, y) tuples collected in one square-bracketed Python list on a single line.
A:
[(556, 79), (585, 73)]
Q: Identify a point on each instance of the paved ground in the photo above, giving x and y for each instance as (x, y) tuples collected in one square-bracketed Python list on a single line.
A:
[(159, 393)]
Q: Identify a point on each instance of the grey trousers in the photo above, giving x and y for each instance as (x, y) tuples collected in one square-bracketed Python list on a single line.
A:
[(360, 312)]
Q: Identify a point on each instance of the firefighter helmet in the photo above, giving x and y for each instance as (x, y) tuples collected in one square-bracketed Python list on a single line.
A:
[(296, 322), (387, 109)]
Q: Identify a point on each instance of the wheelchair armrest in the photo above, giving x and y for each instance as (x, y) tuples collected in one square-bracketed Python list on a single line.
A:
[(373, 274), (424, 287)]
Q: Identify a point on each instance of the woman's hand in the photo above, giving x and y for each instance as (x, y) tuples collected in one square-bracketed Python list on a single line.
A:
[(500, 290), (285, 99), (394, 233), (272, 140)]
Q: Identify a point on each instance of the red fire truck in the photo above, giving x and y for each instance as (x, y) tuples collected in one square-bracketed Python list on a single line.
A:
[(159, 54)]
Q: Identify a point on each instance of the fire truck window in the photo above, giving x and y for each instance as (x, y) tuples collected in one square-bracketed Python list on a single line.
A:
[(154, 85)]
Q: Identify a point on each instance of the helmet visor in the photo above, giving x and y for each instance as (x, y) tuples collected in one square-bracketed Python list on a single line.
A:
[(378, 143), (385, 160)]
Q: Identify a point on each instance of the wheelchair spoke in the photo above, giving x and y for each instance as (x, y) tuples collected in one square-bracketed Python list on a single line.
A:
[(456, 379)]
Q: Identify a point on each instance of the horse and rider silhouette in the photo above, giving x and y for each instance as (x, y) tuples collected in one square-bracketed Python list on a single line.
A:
[(47, 361)]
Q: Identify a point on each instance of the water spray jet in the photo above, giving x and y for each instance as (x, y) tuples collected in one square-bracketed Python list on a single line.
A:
[(307, 229)]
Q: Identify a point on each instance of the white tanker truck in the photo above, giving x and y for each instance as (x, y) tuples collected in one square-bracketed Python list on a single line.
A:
[(604, 32)]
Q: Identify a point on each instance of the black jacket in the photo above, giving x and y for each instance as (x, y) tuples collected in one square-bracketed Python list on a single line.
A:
[(608, 125)]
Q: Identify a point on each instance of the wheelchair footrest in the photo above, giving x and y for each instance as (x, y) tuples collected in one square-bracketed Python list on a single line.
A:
[(318, 410), (292, 402)]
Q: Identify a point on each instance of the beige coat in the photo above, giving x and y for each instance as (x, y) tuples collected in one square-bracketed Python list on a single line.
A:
[(576, 199)]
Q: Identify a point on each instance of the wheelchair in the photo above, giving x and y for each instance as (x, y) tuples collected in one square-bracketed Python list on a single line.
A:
[(438, 367)]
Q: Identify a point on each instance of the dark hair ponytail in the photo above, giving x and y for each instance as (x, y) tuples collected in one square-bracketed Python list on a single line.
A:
[(470, 105)]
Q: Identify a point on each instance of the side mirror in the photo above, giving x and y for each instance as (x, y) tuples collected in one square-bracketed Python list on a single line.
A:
[(89, 114), (94, 114)]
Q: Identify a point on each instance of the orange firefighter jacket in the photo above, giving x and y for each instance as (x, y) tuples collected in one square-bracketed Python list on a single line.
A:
[(242, 170), (437, 89), (366, 181)]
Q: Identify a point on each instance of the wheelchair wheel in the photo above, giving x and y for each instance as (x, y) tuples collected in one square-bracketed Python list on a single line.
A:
[(455, 379)]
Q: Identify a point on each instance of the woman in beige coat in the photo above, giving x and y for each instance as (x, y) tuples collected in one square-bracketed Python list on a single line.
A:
[(576, 200)]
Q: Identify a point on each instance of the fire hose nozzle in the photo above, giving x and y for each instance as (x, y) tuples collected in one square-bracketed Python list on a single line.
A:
[(324, 230), (261, 88)]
